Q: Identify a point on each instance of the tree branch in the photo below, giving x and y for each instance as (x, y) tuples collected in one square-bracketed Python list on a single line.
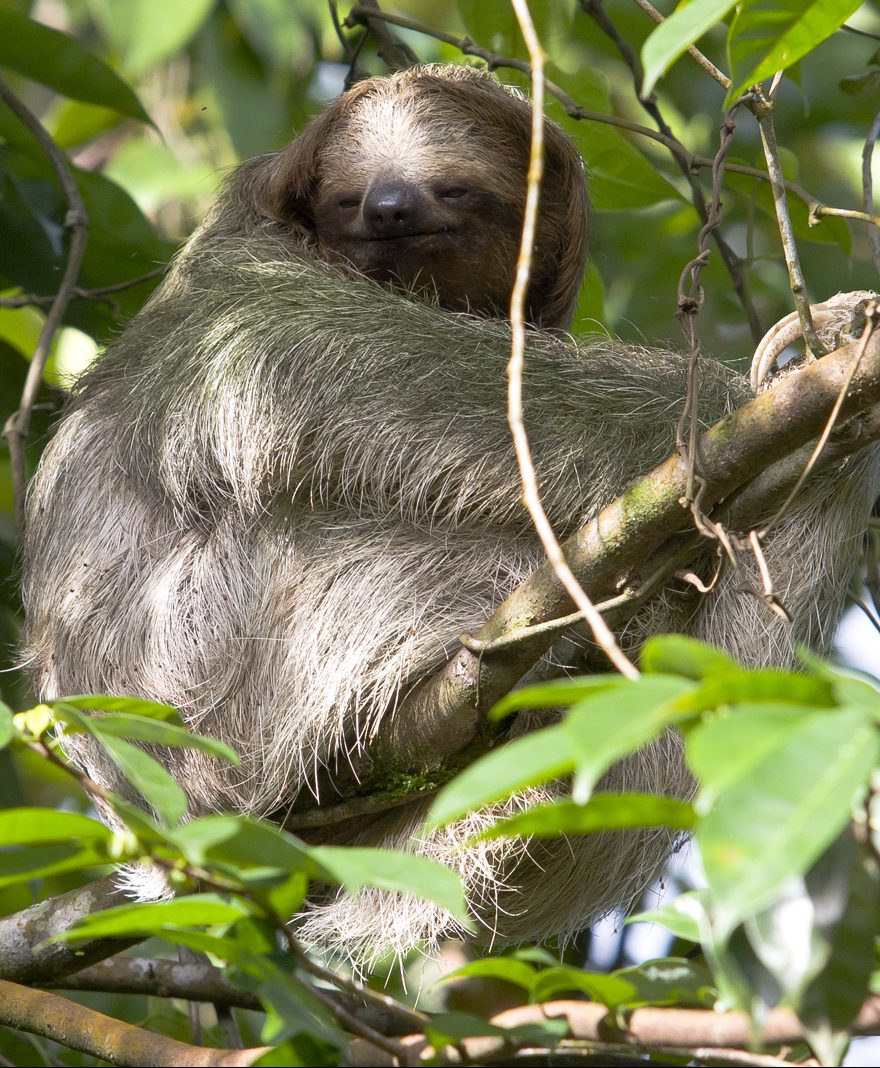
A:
[(27, 956), (83, 1029), (193, 981)]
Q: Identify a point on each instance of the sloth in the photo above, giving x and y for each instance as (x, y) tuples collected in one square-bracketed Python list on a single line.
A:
[(280, 496)]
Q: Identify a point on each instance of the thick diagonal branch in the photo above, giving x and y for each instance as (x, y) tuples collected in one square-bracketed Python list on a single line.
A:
[(446, 713)]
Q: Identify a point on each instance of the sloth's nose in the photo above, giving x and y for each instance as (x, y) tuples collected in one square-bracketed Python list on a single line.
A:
[(395, 209)]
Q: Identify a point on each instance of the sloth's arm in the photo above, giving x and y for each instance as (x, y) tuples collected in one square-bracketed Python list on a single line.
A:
[(268, 375)]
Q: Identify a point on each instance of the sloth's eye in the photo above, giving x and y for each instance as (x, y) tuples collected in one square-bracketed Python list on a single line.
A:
[(348, 203), (452, 192)]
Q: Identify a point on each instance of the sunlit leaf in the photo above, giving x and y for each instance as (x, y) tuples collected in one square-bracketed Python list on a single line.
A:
[(676, 654), (676, 34), (509, 969), (152, 918), (388, 869), (608, 726), (778, 815), (606, 989), (32, 825), (603, 812), (527, 761), (769, 35)]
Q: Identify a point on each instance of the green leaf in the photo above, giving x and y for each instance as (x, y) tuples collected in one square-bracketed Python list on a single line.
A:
[(134, 706), (281, 33), (855, 84), (144, 772), (449, 1028), (147, 775), (389, 869), (557, 693), (526, 761), (31, 825), (38, 861), (603, 812), (621, 178), (832, 1000), (7, 726), (604, 728), (242, 845), (734, 685), (144, 729), (154, 918), (606, 989), (676, 654), (778, 814), (850, 687), (684, 916), (156, 785), (493, 24), (728, 747), (292, 1007), (769, 35), (254, 118), (63, 64), (510, 970), (72, 123), (670, 981), (676, 34)]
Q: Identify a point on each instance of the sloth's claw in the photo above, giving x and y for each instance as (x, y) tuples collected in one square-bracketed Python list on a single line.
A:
[(832, 319)]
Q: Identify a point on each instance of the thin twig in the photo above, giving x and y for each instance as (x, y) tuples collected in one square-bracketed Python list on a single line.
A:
[(374, 998), (76, 224), (707, 64), (762, 108), (26, 299), (356, 1026), (868, 186), (344, 42), (531, 494), (690, 300), (866, 610), (860, 33), (395, 53)]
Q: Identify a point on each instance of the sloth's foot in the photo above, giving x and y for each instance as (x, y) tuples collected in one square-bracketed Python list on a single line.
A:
[(838, 320)]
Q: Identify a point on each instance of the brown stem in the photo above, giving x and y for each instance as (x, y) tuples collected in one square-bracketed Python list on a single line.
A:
[(76, 224)]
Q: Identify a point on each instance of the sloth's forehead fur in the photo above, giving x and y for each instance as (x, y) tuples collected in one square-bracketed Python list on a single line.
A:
[(419, 126)]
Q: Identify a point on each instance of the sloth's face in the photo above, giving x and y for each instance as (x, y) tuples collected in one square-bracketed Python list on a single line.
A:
[(449, 234), (419, 180), (416, 190)]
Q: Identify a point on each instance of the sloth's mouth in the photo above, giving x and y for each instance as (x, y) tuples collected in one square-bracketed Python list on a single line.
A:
[(398, 238)]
